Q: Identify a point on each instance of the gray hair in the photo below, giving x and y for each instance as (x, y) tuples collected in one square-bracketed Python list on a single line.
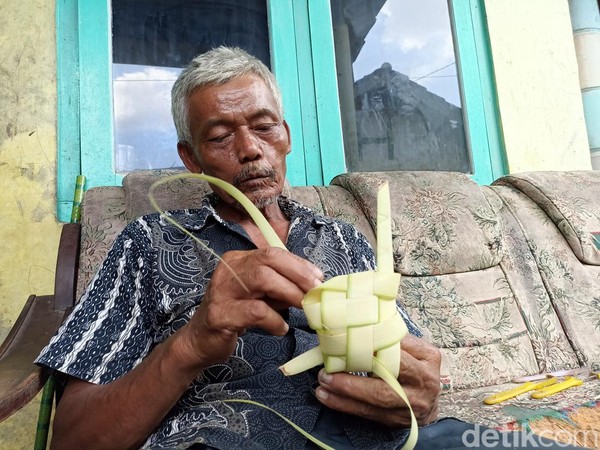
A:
[(217, 66)]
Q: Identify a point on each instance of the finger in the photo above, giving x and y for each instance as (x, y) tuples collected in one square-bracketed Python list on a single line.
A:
[(299, 271), (368, 390), (392, 417), (237, 316), (260, 314), (419, 348), (271, 273), (410, 367)]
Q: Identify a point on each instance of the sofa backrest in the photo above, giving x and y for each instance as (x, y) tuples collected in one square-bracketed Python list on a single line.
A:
[(470, 279), (106, 210), (571, 200), (559, 214)]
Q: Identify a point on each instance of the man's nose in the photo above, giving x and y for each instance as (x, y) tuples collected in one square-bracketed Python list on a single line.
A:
[(247, 145)]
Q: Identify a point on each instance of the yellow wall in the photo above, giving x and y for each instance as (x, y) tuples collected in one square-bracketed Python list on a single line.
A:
[(29, 232), (538, 85)]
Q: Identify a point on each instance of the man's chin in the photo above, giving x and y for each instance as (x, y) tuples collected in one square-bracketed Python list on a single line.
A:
[(262, 196)]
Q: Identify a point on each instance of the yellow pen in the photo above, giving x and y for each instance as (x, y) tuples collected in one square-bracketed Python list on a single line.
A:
[(551, 390), (525, 387)]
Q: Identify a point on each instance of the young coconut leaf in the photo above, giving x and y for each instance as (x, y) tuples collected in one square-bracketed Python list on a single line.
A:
[(355, 315)]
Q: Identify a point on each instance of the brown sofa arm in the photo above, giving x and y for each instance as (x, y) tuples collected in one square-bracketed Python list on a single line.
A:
[(67, 265), (20, 379)]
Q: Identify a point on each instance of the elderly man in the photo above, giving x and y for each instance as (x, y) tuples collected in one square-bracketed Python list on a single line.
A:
[(165, 332)]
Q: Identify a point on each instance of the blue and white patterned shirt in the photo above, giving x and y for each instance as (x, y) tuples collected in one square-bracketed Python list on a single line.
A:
[(150, 285)]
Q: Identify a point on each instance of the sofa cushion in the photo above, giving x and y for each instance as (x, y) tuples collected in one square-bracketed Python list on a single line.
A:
[(474, 318), (442, 222), (174, 194), (574, 208), (551, 345), (572, 285), (465, 282)]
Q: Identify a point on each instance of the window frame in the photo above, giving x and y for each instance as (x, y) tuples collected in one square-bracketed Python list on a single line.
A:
[(303, 61)]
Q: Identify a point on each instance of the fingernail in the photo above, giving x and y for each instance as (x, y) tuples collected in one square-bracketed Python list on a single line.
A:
[(321, 393), (324, 377), (319, 275)]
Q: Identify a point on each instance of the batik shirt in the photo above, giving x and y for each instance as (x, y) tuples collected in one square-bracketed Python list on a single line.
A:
[(149, 286)]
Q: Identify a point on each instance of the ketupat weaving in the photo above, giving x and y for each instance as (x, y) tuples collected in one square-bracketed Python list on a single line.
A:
[(355, 315)]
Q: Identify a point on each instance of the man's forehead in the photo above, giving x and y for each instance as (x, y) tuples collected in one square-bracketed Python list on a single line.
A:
[(239, 83), (247, 94)]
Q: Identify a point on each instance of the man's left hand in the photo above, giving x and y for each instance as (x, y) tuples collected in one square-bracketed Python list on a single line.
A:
[(373, 399)]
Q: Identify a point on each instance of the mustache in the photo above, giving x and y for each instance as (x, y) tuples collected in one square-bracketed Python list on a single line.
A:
[(252, 171)]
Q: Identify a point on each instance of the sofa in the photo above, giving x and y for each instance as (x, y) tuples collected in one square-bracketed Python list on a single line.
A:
[(504, 279)]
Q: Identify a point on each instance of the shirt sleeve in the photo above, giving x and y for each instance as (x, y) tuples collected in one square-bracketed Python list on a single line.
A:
[(109, 331)]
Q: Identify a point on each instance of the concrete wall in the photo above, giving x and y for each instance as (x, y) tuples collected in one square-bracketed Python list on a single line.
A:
[(29, 232), (540, 105), (538, 85)]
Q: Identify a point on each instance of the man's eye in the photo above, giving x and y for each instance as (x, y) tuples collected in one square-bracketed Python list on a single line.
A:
[(265, 127), (219, 138)]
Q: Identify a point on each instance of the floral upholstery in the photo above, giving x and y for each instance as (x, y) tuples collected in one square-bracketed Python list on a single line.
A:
[(574, 211), (560, 226), (174, 194), (505, 279), (465, 280), (103, 217), (472, 284), (432, 212)]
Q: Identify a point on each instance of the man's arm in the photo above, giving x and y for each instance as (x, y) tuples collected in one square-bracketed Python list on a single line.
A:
[(123, 413), (373, 399)]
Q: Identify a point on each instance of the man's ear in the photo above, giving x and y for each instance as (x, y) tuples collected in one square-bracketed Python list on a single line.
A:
[(186, 153), (289, 136)]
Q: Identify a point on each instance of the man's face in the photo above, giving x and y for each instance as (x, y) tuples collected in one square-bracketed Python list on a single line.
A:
[(238, 136)]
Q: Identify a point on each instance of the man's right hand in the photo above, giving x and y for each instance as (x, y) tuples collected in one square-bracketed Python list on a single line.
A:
[(121, 414), (265, 280)]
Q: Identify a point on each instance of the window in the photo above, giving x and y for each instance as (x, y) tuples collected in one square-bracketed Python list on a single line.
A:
[(398, 86), (301, 54), (151, 42)]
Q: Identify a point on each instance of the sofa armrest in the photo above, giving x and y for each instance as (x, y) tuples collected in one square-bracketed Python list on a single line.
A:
[(67, 265), (20, 378)]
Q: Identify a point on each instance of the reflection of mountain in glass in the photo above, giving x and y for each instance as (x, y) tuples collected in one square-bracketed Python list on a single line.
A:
[(402, 126)]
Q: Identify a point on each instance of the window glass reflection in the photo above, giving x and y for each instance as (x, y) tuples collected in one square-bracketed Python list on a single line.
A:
[(145, 136), (152, 42), (398, 86)]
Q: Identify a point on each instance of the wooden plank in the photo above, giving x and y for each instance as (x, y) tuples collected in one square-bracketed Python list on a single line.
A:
[(96, 112), (329, 121), (284, 64), (472, 101), (308, 106), (496, 150), (67, 80)]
